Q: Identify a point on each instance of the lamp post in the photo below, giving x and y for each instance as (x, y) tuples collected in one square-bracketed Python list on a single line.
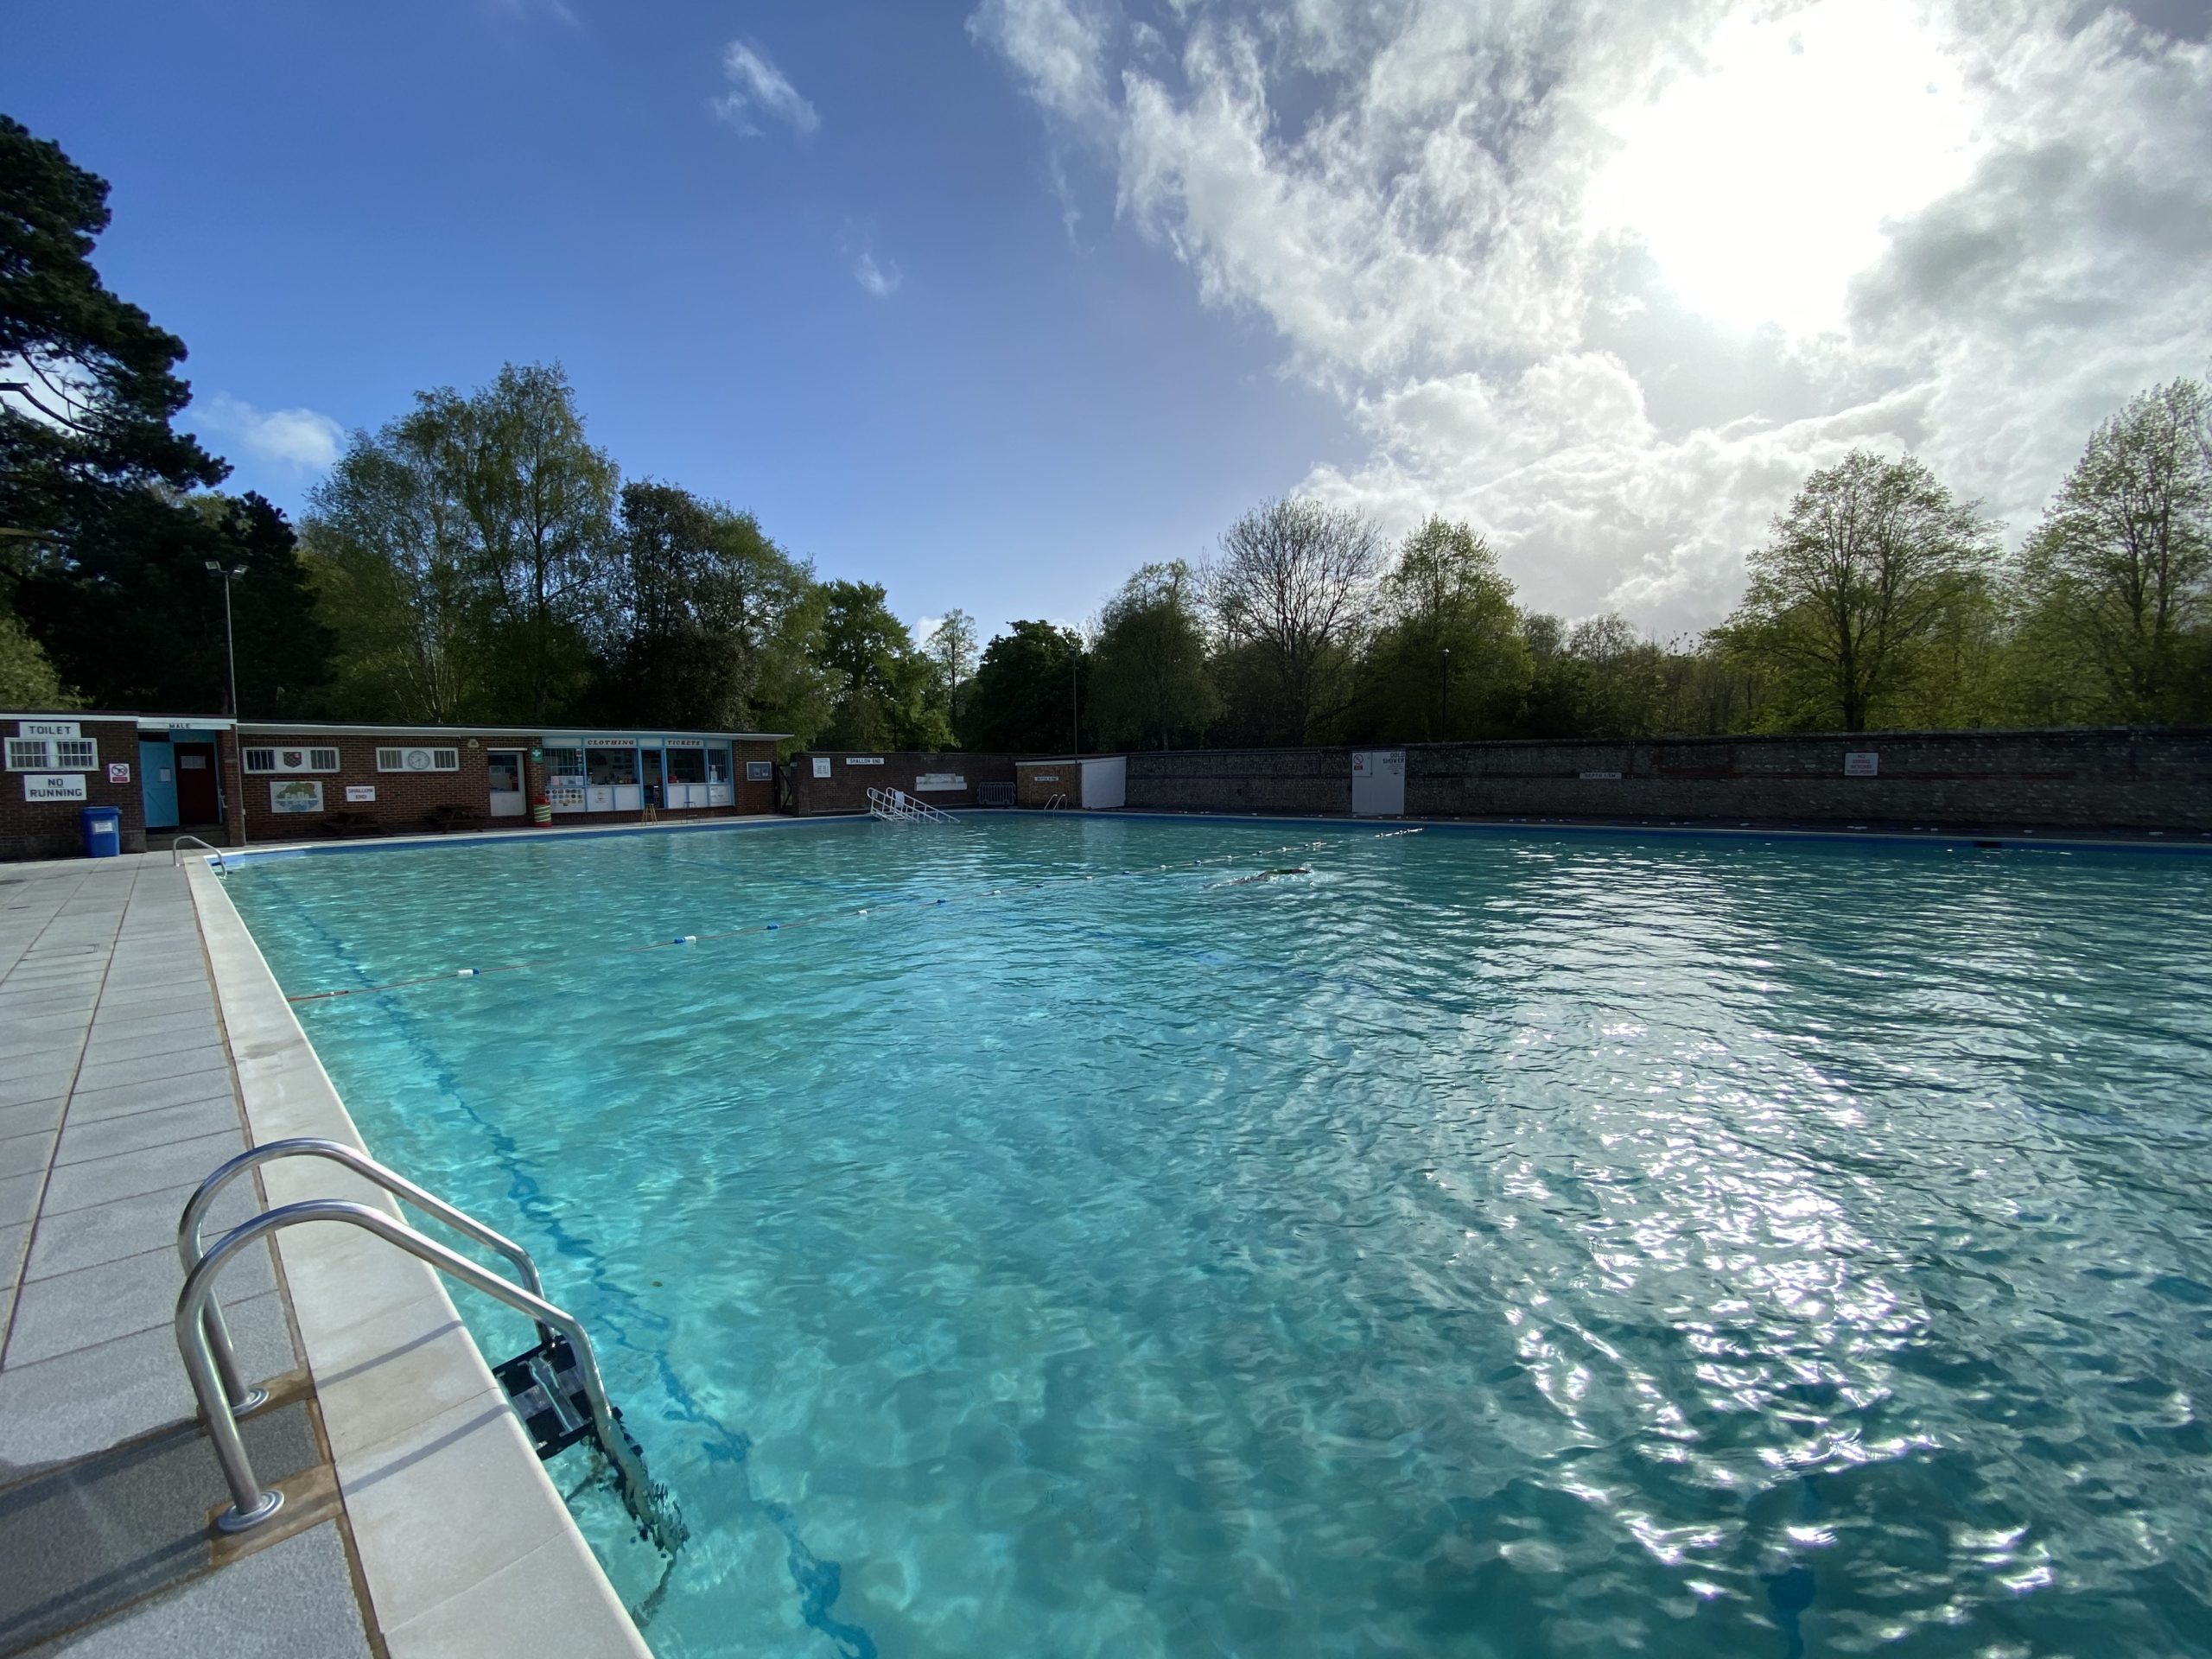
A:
[(1075, 699), (231, 657), (1444, 713)]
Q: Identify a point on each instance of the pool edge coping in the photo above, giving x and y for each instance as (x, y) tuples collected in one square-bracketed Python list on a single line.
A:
[(432, 1444)]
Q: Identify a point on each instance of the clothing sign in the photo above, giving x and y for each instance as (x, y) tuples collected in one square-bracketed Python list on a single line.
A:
[(1862, 763), (54, 785), (358, 792), (118, 771), (50, 728), (822, 765)]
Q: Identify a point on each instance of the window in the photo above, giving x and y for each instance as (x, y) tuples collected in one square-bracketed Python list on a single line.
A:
[(605, 766), (76, 754), (424, 758), (280, 760), (27, 755)]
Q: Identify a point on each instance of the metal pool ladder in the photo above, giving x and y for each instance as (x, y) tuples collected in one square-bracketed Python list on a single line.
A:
[(555, 1387), (896, 806), (176, 853)]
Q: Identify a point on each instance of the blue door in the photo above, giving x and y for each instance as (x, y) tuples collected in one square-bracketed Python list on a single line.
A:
[(157, 782)]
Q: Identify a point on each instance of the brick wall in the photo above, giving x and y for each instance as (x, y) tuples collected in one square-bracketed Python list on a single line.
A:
[(845, 790), (2078, 780), (50, 829), (1035, 782), (409, 801)]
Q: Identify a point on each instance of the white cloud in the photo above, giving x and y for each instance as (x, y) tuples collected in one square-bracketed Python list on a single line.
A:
[(758, 87), (880, 280), (301, 439), (1609, 281)]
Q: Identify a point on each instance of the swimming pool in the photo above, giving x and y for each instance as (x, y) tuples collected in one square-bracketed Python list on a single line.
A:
[(1540, 1243)]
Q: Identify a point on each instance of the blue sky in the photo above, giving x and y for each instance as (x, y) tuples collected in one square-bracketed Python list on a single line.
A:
[(991, 301), (335, 207)]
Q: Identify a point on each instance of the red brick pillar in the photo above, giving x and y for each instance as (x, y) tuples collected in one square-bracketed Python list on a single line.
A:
[(231, 758)]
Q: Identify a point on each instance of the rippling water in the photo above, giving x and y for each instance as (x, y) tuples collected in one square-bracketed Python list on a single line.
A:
[(1478, 1244)]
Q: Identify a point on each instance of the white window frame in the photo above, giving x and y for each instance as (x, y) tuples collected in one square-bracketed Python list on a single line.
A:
[(394, 758), (28, 753), (260, 760), (76, 753)]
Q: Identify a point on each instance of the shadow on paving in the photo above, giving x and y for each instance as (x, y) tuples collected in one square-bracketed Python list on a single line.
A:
[(87, 1538)]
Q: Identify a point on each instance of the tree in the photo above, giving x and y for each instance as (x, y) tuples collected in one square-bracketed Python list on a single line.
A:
[(879, 699), (1448, 659), (1149, 672), (462, 550), (1290, 596), (1025, 697), (541, 501), (950, 649), (2119, 575), (699, 606), (133, 618), (27, 676), (1871, 560), (87, 383)]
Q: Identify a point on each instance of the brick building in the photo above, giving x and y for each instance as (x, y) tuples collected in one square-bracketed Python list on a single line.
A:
[(256, 781)]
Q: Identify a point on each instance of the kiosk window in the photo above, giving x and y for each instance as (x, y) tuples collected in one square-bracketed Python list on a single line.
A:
[(717, 766), (564, 763), (605, 766), (687, 766)]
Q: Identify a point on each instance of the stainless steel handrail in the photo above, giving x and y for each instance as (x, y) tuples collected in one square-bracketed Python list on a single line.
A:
[(176, 853), (251, 1505), (243, 1396)]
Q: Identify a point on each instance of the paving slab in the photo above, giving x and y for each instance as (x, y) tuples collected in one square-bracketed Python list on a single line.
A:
[(104, 1137), (117, 1298), (108, 1232), (103, 1181), (180, 1091), (117, 1065)]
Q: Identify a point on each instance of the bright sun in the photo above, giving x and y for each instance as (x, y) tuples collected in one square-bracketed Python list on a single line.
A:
[(1761, 185)]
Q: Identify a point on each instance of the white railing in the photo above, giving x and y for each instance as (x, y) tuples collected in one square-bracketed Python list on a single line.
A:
[(896, 806)]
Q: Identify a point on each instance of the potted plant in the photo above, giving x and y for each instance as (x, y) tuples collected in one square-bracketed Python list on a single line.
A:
[(541, 808)]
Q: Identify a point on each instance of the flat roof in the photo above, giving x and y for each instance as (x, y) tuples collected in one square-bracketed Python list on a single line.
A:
[(503, 731)]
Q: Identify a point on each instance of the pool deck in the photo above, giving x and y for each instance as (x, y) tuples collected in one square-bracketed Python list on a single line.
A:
[(142, 1041)]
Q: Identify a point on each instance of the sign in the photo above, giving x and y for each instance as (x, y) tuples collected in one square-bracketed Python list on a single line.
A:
[(760, 772), (1036, 778), (1601, 774), (359, 792), (1862, 763), (54, 785), (192, 762), (940, 780), (118, 771), (1378, 763), (821, 765), (297, 795), (612, 743), (50, 728), (863, 759), (684, 742)]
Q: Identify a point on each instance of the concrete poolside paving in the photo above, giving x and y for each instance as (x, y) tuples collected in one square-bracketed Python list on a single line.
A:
[(117, 1097)]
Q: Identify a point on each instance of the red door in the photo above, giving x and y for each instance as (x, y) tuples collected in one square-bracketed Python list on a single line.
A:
[(195, 783)]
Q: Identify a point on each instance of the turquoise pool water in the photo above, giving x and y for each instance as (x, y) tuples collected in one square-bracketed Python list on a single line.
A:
[(1479, 1244)]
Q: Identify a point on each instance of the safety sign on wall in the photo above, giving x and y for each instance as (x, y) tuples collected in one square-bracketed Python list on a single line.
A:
[(54, 785)]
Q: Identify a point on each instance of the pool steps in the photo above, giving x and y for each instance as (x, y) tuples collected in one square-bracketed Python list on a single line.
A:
[(896, 806), (554, 1387)]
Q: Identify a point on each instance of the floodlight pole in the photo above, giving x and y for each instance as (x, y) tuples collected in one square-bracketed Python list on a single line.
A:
[(231, 657)]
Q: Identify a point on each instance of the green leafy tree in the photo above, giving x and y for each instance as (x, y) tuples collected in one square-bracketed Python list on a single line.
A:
[(88, 387), (27, 676), (1149, 682), (1027, 692), (700, 605), (2116, 583), (1448, 659), (1871, 561), (950, 649), (880, 683), (464, 551), (1292, 593), (135, 621)]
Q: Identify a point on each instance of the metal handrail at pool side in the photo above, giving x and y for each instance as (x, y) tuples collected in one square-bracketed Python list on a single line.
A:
[(243, 1396), (896, 806), (216, 1385), (176, 853)]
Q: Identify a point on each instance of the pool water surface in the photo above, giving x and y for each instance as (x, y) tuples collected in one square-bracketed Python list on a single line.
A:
[(1060, 1235)]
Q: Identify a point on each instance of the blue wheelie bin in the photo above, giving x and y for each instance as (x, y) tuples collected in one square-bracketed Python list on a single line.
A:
[(103, 828)]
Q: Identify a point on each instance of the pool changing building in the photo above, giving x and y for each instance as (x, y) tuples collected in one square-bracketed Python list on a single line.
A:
[(232, 783)]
